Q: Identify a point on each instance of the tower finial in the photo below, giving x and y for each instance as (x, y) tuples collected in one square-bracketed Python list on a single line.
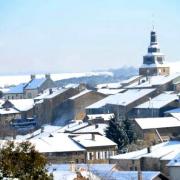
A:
[(153, 22)]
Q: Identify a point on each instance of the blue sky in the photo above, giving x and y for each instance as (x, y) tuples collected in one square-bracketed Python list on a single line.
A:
[(83, 35)]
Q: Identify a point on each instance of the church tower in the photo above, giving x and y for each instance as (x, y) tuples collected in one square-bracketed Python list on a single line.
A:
[(153, 61)]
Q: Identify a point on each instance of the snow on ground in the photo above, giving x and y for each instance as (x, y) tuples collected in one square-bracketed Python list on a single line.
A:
[(17, 79)]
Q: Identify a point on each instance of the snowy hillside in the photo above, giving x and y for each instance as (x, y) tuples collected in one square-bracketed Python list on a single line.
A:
[(16, 79)]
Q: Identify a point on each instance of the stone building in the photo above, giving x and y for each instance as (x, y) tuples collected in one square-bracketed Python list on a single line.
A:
[(98, 148), (11, 110), (121, 103), (156, 129), (59, 148), (48, 105), (30, 89), (153, 158), (77, 104), (155, 107), (153, 61), (37, 86), (174, 168), (16, 92)]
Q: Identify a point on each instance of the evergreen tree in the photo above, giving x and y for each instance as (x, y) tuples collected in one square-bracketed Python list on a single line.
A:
[(117, 133), (129, 130), (22, 161)]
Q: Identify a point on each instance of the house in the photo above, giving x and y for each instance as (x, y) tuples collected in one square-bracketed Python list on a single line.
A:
[(156, 129), (59, 148), (77, 104), (174, 167), (30, 89), (16, 92), (49, 105), (62, 146), (160, 82), (16, 109), (155, 107), (120, 104), (36, 86), (99, 118), (153, 158), (94, 128), (100, 171), (99, 148)]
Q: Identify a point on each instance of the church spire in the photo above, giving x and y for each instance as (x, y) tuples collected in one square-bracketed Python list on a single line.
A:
[(153, 47), (153, 61)]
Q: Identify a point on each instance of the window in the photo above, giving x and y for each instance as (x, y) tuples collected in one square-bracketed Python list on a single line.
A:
[(98, 157), (29, 95), (90, 155), (105, 154)]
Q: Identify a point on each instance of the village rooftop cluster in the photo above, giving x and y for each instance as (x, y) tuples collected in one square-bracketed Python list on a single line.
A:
[(67, 124)]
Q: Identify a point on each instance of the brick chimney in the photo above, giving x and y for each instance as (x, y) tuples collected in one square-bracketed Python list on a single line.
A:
[(149, 149), (33, 76), (47, 76), (93, 136)]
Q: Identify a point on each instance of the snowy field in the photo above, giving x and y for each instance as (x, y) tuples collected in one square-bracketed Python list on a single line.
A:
[(16, 79)]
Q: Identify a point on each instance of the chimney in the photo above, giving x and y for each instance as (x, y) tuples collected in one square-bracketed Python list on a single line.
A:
[(42, 129), (96, 126), (149, 149), (93, 136), (47, 76), (33, 76), (50, 91)]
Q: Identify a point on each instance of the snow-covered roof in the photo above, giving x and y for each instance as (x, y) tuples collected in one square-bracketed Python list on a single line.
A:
[(110, 91), (86, 140), (158, 101), (154, 81), (175, 162), (115, 85), (80, 94), (106, 117), (73, 126), (47, 95), (133, 78), (23, 104), (102, 171), (71, 85), (176, 115), (35, 83), (155, 123), (176, 110), (8, 111), (98, 128), (17, 89), (58, 142), (122, 99), (162, 151), (62, 172)]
